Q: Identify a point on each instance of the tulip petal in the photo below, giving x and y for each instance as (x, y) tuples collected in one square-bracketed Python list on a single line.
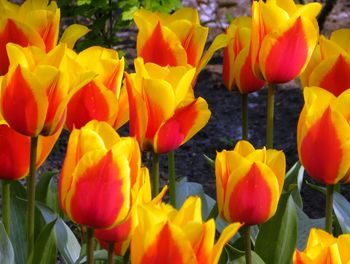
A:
[(106, 175), (190, 211), (24, 102), (332, 74), (183, 125), (72, 34), (244, 148), (285, 53), (341, 37)]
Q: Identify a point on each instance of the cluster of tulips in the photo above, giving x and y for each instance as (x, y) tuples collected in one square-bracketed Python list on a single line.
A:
[(47, 87)]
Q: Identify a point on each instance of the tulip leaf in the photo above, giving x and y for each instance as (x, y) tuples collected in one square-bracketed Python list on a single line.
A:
[(293, 182), (99, 255), (67, 243), (255, 259), (277, 238), (341, 209), (6, 249), (17, 224), (52, 197), (43, 185), (209, 161), (45, 246), (304, 225)]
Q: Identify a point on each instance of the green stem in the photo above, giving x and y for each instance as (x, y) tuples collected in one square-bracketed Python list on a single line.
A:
[(90, 246), (245, 116), (155, 175), (6, 205), (270, 115), (172, 182), (31, 195), (329, 208), (247, 244), (111, 253)]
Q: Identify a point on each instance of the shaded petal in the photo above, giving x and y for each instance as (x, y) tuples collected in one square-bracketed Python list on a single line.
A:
[(72, 34)]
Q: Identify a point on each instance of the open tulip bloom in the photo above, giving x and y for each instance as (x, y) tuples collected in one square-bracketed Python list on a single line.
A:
[(329, 67), (176, 39), (322, 247), (165, 235)]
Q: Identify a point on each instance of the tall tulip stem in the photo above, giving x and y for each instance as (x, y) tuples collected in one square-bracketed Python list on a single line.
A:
[(90, 245), (155, 175), (329, 208), (111, 253), (270, 115), (31, 195), (247, 244), (172, 182), (6, 205), (245, 116)]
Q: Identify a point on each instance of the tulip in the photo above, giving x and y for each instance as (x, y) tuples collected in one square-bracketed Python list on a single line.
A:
[(36, 91), (97, 176), (245, 175), (101, 98), (163, 112), (33, 23), (237, 67), (322, 247), (329, 67), (165, 235), (284, 38), (176, 39)]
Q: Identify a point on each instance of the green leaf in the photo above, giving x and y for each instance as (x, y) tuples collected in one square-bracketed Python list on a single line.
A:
[(52, 197), (43, 185), (277, 237), (209, 161), (66, 242), (83, 2), (293, 182), (6, 250), (99, 255), (45, 246), (255, 259), (341, 209), (18, 209), (304, 225)]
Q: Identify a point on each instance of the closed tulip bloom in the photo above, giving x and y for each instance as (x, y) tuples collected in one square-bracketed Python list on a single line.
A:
[(163, 111), (324, 135), (284, 36), (35, 22), (14, 152), (237, 65), (322, 247), (36, 90), (99, 171), (101, 98), (244, 176), (165, 235), (329, 67), (176, 39)]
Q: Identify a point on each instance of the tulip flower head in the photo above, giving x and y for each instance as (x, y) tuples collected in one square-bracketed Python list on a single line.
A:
[(284, 36), (99, 170), (101, 98), (237, 65), (165, 235), (34, 23), (14, 152), (163, 112), (322, 247), (329, 67), (324, 135), (176, 39), (245, 175)]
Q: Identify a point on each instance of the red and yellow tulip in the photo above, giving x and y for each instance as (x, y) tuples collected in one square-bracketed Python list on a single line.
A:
[(36, 90), (99, 171), (329, 67), (324, 135), (102, 98), (163, 111), (322, 247), (176, 39), (165, 235), (245, 175), (284, 36), (237, 66), (35, 22), (14, 152)]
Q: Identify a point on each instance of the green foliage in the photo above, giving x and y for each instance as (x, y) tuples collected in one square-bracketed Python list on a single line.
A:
[(6, 249), (107, 17)]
